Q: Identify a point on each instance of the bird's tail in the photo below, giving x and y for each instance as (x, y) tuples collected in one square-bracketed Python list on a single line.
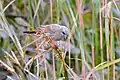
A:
[(30, 32)]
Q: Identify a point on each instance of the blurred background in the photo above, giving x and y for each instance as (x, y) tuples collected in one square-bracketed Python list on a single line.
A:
[(91, 51)]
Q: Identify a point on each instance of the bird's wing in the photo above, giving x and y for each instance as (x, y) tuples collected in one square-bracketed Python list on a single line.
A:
[(52, 28)]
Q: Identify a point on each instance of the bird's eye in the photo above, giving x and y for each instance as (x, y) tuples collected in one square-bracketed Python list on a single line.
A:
[(63, 33)]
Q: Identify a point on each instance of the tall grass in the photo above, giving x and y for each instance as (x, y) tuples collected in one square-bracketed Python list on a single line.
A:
[(94, 31)]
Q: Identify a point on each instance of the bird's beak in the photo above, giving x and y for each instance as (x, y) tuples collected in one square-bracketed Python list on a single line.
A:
[(66, 36)]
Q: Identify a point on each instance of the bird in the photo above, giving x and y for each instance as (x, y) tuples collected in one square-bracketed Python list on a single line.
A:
[(55, 31)]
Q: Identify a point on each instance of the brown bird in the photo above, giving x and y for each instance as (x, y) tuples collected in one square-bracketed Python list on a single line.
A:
[(55, 31)]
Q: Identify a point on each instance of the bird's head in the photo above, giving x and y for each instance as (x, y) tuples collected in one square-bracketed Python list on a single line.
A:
[(64, 31)]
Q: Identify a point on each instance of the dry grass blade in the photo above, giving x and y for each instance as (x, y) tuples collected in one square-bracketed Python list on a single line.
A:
[(8, 6), (8, 67), (31, 42)]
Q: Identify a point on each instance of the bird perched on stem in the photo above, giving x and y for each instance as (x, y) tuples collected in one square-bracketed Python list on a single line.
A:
[(52, 33), (55, 31)]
